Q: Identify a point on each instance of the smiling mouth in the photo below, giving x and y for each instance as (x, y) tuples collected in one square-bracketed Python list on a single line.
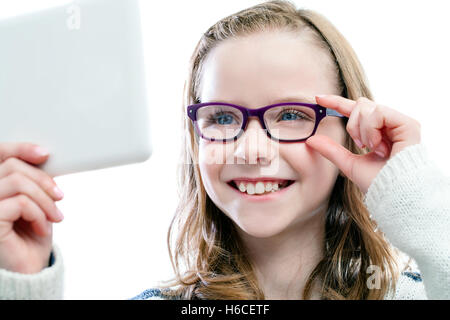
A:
[(260, 188)]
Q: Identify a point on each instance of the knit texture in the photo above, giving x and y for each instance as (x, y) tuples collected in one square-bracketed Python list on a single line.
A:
[(410, 201), (44, 285)]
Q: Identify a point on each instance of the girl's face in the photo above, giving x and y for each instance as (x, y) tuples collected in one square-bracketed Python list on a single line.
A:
[(253, 72)]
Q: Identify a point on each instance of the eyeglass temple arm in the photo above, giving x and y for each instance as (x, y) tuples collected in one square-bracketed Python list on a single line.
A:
[(334, 113)]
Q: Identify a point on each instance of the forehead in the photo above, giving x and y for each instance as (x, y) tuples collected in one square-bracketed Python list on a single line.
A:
[(257, 68)]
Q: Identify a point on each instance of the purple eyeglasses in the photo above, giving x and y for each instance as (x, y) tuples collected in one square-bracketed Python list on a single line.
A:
[(283, 122)]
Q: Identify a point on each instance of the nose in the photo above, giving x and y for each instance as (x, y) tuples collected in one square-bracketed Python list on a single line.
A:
[(254, 146)]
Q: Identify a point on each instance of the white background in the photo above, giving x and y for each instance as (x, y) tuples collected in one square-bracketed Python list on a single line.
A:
[(113, 237)]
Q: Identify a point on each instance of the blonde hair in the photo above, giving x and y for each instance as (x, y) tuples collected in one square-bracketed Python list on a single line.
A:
[(207, 255)]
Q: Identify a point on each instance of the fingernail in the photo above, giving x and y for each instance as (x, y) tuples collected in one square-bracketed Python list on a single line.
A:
[(380, 154), (359, 143), (321, 95), (42, 152), (58, 193), (60, 215)]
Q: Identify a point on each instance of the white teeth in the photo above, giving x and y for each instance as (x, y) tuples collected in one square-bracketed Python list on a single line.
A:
[(259, 188), (250, 188)]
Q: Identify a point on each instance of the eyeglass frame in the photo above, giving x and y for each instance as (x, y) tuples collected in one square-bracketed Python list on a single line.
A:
[(320, 111)]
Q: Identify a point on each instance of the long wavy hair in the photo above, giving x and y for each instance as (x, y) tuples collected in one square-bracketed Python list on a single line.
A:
[(206, 253)]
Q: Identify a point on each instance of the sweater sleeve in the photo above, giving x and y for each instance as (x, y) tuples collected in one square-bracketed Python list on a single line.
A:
[(44, 285), (410, 201)]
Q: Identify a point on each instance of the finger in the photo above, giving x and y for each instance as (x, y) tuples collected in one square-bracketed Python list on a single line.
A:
[(353, 126), (392, 118), (23, 207), (383, 149), (370, 122), (342, 105), (12, 165), (17, 183), (26, 151), (334, 152)]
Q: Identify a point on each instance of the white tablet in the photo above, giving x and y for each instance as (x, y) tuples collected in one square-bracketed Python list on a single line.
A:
[(72, 79)]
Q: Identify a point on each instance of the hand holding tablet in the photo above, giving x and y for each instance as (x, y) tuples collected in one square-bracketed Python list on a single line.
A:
[(27, 208)]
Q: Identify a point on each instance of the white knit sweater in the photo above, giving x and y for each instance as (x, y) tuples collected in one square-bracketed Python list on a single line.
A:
[(410, 201)]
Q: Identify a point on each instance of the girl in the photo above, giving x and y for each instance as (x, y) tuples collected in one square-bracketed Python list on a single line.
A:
[(294, 184)]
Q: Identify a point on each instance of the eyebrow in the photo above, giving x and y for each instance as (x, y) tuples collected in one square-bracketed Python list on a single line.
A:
[(298, 98), (302, 99)]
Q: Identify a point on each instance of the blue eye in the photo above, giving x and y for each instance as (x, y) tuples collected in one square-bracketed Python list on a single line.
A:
[(221, 118), (224, 119), (290, 115)]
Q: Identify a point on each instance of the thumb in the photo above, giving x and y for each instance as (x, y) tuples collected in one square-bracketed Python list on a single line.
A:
[(333, 151)]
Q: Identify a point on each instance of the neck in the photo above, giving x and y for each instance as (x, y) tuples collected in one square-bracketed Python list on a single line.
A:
[(284, 261)]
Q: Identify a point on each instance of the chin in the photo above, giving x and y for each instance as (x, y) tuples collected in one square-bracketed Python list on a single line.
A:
[(262, 228)]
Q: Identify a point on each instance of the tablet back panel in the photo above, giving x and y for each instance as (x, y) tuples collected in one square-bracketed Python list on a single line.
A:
[(72, 80)]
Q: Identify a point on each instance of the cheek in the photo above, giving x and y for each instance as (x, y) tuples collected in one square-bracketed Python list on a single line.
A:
[(212, 153), (316, 176), (211, 161), (310, 165)]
